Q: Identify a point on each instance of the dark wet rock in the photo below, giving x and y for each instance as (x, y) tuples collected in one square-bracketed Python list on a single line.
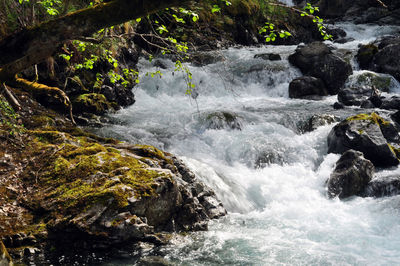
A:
[(354, 96), (367, 104), (338, 106), (383, 187), (351, 175), (392, 103), (364, 133), (222, 120), (269, 56), (317, 60), (119, 94), (317, 121), (160, 64), (307, 86), (361, 11), (206, 58), (337, 33), (387, 60), (365, 55), (129, 56)]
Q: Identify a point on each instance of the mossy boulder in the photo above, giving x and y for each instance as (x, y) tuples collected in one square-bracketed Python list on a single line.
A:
[(106, 193), (91, 103), (368, 133)]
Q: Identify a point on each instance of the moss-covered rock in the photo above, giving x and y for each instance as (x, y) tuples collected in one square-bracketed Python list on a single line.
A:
[(91, 103), (367, 133)]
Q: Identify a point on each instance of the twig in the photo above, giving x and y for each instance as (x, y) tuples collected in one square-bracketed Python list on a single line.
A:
[(11, 98)]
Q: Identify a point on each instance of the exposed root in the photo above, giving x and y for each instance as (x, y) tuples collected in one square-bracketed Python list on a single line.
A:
[(42, 90)]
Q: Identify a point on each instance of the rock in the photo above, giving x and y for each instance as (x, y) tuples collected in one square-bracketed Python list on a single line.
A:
[(354, 96), (338, 106), (92, 102), (269, 157), (365, 55), (392, 103), (222, 120), (5, 259), (317, 121), (364, 133), (206, 58), (97, 195), (269, 56), (383, 187), (386, 60), (117, 93), (351, 175), (306, 87), (369, 79), (317, 60)]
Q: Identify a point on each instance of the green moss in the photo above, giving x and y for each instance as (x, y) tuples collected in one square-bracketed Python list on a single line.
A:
[(395, 150), (49, 136), (373, 117), (152, 152), (92, 102), (240, 7)]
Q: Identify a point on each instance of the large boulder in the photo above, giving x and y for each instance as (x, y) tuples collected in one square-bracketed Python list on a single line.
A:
[(307, 87), (387, 60), (381, 56), (368, 134), (351, 175), (317, 60)]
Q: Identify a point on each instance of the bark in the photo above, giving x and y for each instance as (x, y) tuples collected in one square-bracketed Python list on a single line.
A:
[(32, 45)]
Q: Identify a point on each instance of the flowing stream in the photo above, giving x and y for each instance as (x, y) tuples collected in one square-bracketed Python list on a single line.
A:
[(269, 175)]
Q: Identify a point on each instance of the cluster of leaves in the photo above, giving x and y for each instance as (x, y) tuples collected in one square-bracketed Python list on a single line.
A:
[(310, 10), (271, 33), (217, 8), (94, 53)]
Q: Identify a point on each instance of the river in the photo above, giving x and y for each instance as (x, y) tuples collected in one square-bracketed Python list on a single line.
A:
[(269, 175)]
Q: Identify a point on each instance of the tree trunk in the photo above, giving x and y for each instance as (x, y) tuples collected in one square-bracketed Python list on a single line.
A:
[(32, 45)]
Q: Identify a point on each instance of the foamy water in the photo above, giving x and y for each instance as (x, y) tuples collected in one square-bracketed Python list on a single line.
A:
[(278, 214)]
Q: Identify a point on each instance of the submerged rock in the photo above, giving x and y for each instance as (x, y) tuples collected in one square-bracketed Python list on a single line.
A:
[(383, 186), (351, 175), (355, 95), (367, 134), (269, 56), (317, 121), (307, 87), (317, 60), (222, 120)]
